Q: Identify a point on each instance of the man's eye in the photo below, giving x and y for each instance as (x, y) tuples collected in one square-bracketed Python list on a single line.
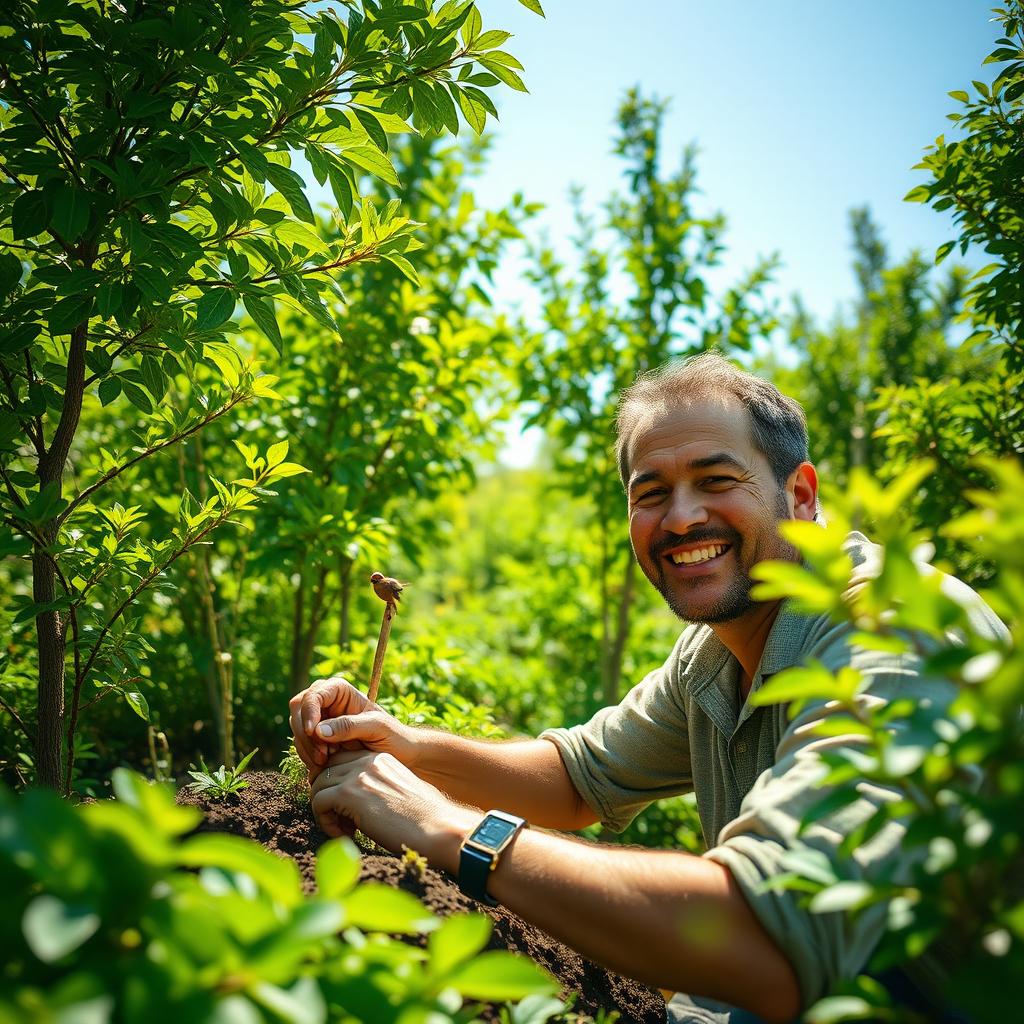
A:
[(648, 496), (716, 481)]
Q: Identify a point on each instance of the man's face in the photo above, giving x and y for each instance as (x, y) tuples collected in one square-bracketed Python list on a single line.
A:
[(704, 508)]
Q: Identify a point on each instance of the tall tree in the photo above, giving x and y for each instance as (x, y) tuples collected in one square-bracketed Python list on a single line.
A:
[(654, 250), (147, 191)]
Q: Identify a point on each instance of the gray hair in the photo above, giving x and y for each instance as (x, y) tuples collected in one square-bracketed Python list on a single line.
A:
[(778, 426)]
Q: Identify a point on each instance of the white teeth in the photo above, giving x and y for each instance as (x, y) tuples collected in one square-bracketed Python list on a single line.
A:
[(698, 555)]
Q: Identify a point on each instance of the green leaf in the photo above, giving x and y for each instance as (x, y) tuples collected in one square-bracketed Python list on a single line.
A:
[(109, 389), (403, 265), (337, 868), (342, 189), (474, 112), (277, 876), (30, 214), (505, 74), (10, 273), (70, 213), (533, 5), (70, 313), (276, 453), (842, 896), (460, 937), (18, 339), (53, 929), (214, 308), (374, 906), (373, 161), (262, 312), (137, 397), (138, 703), (497, 976), (373, 128), (290, 185), (838, 1008), (812, 681)]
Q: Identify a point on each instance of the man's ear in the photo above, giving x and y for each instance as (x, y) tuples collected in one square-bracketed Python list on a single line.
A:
[(802, 488)]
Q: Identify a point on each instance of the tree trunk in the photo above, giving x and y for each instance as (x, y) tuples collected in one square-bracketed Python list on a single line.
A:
[(614, 674), (50, 636), (51, 647)]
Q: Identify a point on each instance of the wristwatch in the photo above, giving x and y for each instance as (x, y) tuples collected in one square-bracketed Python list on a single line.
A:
[(480, 850)]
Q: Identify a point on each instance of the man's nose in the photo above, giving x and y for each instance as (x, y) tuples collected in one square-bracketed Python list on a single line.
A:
[(685, 511)]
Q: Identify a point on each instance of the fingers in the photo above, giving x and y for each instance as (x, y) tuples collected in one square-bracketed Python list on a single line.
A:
[(329, 696)]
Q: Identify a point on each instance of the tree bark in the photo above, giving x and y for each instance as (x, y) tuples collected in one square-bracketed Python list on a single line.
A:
[(51, 642), (51, 646)]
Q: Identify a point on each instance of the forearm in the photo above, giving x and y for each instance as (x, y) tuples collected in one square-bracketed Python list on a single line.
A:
[(666, 918), (524, 777)]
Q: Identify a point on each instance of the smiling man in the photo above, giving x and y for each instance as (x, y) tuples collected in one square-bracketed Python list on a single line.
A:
[(712, 459)]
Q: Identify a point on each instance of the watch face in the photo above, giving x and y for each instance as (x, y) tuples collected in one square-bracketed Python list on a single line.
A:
[(492, 832)]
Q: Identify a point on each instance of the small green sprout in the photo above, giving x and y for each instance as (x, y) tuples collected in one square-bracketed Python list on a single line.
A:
[(222, 782)]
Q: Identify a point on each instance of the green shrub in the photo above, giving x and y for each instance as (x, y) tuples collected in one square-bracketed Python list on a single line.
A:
[(113, 913), (956, 774)]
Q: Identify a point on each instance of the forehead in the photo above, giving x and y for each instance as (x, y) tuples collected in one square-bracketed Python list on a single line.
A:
[(686, 432)]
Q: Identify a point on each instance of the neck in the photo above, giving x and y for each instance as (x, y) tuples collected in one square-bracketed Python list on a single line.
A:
[(746, 636)]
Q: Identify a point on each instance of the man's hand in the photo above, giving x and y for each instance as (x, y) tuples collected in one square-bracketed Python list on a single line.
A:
[(332, 713), (391, 805)]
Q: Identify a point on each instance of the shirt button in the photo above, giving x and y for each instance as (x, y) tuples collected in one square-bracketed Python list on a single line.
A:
[(741, 748)]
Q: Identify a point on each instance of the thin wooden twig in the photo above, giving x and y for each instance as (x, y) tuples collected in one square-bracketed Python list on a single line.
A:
[(382, 646)]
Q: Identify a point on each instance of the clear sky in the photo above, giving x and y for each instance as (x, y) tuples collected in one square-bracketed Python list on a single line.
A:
[(801, 109)]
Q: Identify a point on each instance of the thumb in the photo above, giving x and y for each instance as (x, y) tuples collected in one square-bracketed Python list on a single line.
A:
[(344, 727)]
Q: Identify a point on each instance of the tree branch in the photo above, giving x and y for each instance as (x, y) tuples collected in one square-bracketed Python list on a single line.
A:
[(17, 719), (118, 470), (146, 581)]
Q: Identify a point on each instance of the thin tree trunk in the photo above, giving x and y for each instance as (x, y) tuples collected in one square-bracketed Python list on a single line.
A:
[(50, 695), (50, 637), (614, 678)]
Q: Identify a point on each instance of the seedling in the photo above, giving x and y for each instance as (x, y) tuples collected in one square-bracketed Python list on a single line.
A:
[(415, 860), (296, 775), (222, 782)]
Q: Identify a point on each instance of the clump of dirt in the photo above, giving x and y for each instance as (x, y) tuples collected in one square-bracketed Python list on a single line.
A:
[(265, 812)]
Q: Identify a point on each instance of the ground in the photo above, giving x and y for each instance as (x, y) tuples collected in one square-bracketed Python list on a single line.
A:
[(266, 813)]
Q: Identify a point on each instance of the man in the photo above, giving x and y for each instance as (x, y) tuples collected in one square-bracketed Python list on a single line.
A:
[(712, 459)]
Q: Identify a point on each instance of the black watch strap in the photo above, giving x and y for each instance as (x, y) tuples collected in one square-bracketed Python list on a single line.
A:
[(474, 873)]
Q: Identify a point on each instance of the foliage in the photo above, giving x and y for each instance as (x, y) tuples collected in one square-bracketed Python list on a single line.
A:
[(295, 774), (962, 854), (637, 296), (221, 783), (977, 176), (141, 210), (112, 912)]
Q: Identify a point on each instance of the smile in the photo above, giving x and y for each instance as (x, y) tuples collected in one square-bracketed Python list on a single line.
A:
[(697, 555)]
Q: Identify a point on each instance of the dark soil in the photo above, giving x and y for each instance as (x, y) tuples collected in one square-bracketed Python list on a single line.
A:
[(265, 812)]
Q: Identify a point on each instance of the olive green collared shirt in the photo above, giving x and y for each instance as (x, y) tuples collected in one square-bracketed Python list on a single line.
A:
[(755, 771)]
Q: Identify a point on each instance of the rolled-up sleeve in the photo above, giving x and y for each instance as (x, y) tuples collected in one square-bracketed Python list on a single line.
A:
[(823, 948), (632, 754)]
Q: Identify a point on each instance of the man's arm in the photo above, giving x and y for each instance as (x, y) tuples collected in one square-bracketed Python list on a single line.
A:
[(525, 777), (667, 918)]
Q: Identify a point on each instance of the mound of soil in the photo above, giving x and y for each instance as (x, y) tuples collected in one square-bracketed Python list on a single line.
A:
[(265, 812)]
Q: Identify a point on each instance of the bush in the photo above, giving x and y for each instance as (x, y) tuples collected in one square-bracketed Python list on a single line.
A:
[(112, 912)]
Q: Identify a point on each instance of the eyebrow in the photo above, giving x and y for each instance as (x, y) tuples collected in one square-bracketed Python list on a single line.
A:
[(717, 459)]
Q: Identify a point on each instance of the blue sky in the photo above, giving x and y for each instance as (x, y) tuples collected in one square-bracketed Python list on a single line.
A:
[(800, 110)]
